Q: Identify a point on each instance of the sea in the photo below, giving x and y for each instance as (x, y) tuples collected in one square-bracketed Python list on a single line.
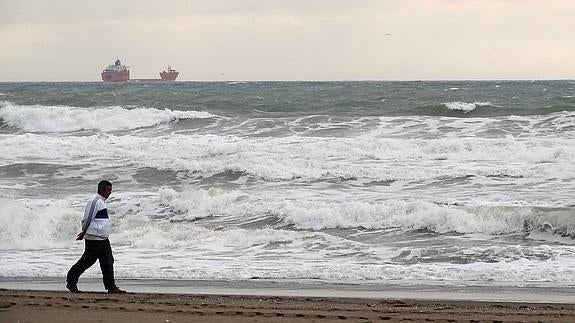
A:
[(422, 183)]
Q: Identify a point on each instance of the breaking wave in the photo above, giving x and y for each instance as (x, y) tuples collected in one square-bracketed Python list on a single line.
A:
[(391, 214), (466, 106), (305, 159), (168, 217), (193, 232), (36, 223), (41, 118)]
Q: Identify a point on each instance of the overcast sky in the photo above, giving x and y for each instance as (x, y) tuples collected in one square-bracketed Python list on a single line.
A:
[(60, 40)]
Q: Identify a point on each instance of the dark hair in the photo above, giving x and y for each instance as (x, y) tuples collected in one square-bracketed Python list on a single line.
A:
[(103, 184)]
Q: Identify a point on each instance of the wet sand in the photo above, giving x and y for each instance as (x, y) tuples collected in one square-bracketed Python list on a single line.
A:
[(59, 306)]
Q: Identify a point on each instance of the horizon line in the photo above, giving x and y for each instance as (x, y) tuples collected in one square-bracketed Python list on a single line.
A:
[(303, 80)]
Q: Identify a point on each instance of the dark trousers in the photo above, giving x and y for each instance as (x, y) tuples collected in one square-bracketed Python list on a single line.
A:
[(95, 250)]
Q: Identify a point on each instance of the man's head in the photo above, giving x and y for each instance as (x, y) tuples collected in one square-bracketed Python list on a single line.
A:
[(105, 188)]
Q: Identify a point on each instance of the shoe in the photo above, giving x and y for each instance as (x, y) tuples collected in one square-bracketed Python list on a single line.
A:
[(73, 288), (116, 290)]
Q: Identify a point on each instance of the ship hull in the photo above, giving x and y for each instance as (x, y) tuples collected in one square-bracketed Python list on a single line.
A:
[(115, 76)]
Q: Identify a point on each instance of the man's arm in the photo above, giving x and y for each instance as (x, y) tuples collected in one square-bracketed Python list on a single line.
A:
[(89, 214)]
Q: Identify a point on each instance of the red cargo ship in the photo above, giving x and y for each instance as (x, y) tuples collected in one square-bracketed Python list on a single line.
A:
[(120, 73), (170, 75), (116, 73)]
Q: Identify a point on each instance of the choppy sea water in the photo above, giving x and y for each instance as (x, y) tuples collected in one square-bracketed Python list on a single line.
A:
[(446, 183)]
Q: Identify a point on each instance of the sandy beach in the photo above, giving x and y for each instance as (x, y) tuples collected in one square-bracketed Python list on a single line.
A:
[(59, 306)]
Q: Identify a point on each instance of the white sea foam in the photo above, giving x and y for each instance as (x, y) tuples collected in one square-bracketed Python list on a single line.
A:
[(141, 232), (466, 106), (306, 158), (190, 250), (343, 270), (402, 162), (196, 204), (137, 265), (36, 223), (168, 219), (40, 118), (422, 215), (246, 263), (313, 214), (554, 125)]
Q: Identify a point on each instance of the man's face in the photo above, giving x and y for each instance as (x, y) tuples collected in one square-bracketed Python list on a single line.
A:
[(106, 191)]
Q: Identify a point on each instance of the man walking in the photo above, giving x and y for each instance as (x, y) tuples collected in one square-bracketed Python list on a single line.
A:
[(95, 231)]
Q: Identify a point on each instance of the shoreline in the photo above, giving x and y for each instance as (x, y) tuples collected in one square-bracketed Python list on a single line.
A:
[(272, 288), (63, 307)]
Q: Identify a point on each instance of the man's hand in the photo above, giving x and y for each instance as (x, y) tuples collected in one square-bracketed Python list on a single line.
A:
[(80, 235)]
